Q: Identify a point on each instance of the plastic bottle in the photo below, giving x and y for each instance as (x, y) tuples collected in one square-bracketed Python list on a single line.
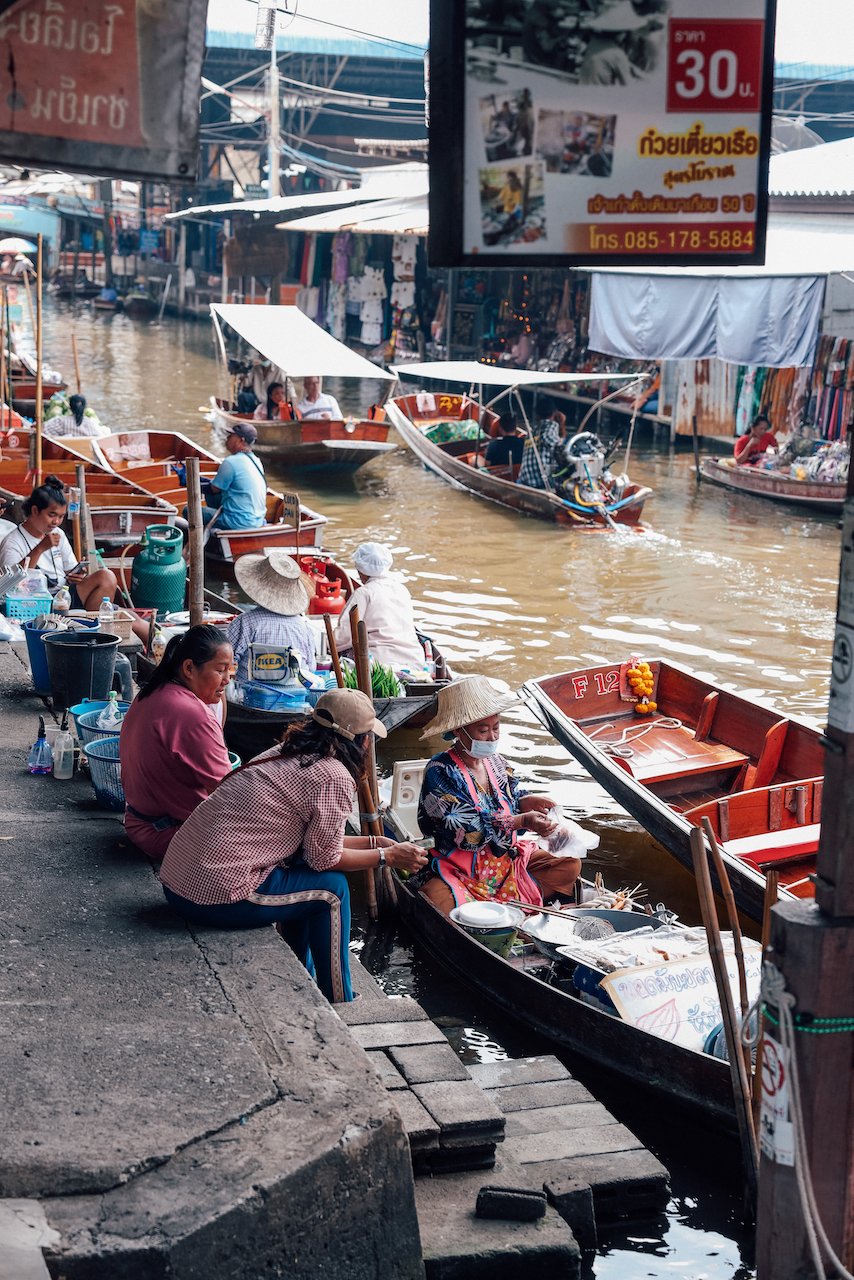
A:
[(40, 759), (158, 647), (111, 717), (63, 752), (429, 661), (62, 601), (107, 612)]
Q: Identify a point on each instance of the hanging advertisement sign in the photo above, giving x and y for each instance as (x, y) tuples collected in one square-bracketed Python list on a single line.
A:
[(568, 132), (100, 87)]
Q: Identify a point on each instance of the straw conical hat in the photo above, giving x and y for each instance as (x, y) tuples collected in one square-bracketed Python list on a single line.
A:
[(275, 581), (465, 702)]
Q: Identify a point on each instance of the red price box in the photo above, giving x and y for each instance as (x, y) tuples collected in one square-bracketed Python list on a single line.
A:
[(715, 64)]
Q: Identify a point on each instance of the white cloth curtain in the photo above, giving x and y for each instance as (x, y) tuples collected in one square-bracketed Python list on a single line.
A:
[(761, 320)]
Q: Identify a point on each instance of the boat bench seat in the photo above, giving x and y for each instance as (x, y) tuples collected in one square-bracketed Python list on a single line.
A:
[(700, 759), (772, 847)]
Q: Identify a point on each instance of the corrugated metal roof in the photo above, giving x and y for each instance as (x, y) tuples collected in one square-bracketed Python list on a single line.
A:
[(388, 47), (827, 170)]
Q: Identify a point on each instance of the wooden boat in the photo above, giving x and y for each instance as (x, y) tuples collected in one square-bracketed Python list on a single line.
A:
[(704, 751), (450, 433), (155, 460), (819, 495), (139, 306), (120, 508), (319, 445), (299, 348), (108, 304), (531, 991)]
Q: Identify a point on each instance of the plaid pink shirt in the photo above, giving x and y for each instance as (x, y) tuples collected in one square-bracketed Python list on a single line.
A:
[(258, 819)]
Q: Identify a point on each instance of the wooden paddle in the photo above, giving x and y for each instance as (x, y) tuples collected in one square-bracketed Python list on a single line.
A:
[(732, 916)]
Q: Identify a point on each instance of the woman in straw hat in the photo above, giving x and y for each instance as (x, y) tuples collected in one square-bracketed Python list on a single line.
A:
[(268, 846), (282, 593), (474, 810)]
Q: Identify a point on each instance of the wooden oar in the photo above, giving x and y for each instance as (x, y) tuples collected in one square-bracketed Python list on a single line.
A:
[(740, 1083), (195, 543), (76, 363), (735, 927), (333, 650)]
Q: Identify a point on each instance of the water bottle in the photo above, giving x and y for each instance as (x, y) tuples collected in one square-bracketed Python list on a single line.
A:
[(429, 661), (107, 612), (40, 759), (111, 717), (63, 752), (158, 647)]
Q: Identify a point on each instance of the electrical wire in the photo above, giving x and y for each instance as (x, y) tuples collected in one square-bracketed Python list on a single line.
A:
[(337, 26)]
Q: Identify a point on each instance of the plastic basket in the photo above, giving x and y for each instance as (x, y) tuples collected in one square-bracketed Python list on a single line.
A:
[(106, 773), (87, 725), (90, 704), (24, 607)]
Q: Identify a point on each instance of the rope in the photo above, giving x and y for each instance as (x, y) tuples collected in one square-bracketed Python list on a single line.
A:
[(774, 993), (631, 734)]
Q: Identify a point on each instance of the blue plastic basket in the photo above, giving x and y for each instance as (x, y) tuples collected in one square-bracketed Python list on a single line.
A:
[(22, 608), (106, 773), (236, 762), (90, 704), (87, 725)]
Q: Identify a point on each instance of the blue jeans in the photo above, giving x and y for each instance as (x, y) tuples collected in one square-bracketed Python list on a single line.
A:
[(312, 910)]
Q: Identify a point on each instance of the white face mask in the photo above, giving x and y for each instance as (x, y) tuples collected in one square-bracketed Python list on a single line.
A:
[(479, 749)]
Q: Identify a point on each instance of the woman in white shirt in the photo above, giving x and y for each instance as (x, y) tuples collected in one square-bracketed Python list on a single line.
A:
[(39, 543), (385, 607)]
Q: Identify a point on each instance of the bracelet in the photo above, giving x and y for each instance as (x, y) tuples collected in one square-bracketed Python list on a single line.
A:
[(372, 842)]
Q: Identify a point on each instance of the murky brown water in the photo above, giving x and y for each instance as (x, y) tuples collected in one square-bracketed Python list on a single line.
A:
[(737, 589)]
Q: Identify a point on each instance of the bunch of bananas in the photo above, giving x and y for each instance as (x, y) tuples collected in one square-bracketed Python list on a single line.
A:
[(642, 682)]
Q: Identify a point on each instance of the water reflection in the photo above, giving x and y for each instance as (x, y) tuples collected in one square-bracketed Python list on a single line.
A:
[(738, 590)]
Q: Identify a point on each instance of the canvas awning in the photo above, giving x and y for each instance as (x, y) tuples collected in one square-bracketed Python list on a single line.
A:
[(473, 373), (381, 183), (398, 217), (293, 342)]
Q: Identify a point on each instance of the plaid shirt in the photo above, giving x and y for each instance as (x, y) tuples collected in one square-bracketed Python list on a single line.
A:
[(257, 819), (67, 425), (546, 436)]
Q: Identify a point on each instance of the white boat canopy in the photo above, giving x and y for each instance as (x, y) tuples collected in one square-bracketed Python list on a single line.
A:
[(293, 342), (473, 373)]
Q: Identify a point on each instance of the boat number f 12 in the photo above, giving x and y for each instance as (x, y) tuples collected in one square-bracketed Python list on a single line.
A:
[(606, 682)]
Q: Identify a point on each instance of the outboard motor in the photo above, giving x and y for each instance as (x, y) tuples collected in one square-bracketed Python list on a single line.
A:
[(583, 458)]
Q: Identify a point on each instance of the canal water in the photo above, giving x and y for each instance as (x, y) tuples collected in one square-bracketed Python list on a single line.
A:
[(738, 590)]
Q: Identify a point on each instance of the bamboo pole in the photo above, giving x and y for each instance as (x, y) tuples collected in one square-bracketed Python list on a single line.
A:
[(367, 794), (195, 544), (39, 388), (29, 302), (333, 650), (76, 363), (732, 916), (771, 884), (8, 342), (740, 1084), (7, 412), (86, 529)]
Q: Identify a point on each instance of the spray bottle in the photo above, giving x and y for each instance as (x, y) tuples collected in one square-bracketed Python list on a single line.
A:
[(40, 759)]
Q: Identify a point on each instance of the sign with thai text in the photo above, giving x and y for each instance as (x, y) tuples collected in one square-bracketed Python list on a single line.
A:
[(100, 86), (599, 131)]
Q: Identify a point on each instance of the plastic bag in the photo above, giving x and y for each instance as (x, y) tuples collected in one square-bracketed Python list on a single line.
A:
[(569, 840)]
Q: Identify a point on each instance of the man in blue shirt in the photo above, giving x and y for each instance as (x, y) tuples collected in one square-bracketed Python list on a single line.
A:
[(239, 488)]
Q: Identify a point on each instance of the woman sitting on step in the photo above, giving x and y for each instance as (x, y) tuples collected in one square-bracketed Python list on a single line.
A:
[(474, 810)]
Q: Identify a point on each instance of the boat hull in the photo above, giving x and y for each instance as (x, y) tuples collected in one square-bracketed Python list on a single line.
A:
[(694, 1080), (663, 802), (507, 493), (759, 483), (312, 446)]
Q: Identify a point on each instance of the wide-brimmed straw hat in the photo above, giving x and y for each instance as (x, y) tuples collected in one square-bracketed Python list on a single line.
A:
[(348, 712), (465, 702), (275, 581)]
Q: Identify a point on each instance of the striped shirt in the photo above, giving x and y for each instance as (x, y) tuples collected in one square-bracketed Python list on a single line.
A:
[(263, 626), (257, 819)]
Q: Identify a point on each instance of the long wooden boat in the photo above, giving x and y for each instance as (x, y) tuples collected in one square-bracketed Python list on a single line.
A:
[(461, 462), (818, 495), (120, 508), (155, 460), (314, 445), (704, 751)]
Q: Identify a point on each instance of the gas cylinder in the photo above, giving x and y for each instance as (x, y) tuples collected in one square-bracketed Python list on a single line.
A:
[(329, 597), (159, 576)]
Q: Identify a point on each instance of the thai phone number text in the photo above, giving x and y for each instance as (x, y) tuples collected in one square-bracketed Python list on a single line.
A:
[(664, 238)]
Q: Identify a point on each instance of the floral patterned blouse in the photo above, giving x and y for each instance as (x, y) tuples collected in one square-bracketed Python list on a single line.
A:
[(448, 815)]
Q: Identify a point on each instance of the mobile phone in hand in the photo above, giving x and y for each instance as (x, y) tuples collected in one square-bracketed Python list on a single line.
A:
[(82, 566)]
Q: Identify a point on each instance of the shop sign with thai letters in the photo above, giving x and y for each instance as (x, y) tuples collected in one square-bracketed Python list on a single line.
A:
[(102, 87), (601, 132)]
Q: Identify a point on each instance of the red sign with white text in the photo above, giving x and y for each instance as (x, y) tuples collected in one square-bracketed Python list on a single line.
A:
[(714, 65)]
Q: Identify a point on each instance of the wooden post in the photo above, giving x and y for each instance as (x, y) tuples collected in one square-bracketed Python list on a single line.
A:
[(76, 259), (740, 1082), (39, 391), (182, 267), (76, 363), (195, 545), (814, 952), (696, 442), (7, 412), (87, 532)]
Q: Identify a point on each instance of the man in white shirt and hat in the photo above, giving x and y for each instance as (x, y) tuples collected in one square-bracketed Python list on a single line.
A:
[(385, 607), (281, 592)]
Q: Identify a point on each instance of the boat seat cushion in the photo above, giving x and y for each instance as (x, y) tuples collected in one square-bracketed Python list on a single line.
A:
[(772, 847)]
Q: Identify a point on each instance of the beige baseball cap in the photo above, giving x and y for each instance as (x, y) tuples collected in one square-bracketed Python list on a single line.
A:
[(348, 712)]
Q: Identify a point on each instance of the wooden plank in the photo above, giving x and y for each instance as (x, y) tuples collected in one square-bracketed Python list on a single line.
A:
[(707, 715), (769, 757)]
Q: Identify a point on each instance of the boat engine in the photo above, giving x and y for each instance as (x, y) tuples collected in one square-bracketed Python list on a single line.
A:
[(583, 458)]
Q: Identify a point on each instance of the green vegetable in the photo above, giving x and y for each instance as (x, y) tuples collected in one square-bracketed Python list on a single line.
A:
[(384, 683)]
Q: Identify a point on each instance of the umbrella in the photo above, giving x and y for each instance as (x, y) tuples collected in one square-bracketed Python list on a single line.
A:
[(14, 244)]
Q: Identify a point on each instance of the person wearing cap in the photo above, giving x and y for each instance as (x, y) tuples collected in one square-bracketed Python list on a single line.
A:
[(281, 593), (239, 488), (268, 846), (475, 811), (385, 607)]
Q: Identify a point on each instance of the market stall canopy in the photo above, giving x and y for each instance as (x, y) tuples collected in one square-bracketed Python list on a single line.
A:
[(378, 184), (14, 244), (399, 217), (767, 315), (293, 342), (472, 373)]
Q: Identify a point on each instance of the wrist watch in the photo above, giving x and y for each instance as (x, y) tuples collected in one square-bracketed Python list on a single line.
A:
[(382, 861)]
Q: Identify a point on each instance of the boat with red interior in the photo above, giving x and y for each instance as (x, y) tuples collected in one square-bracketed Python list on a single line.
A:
[(299, 348), (697, 751), (450, 432)]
